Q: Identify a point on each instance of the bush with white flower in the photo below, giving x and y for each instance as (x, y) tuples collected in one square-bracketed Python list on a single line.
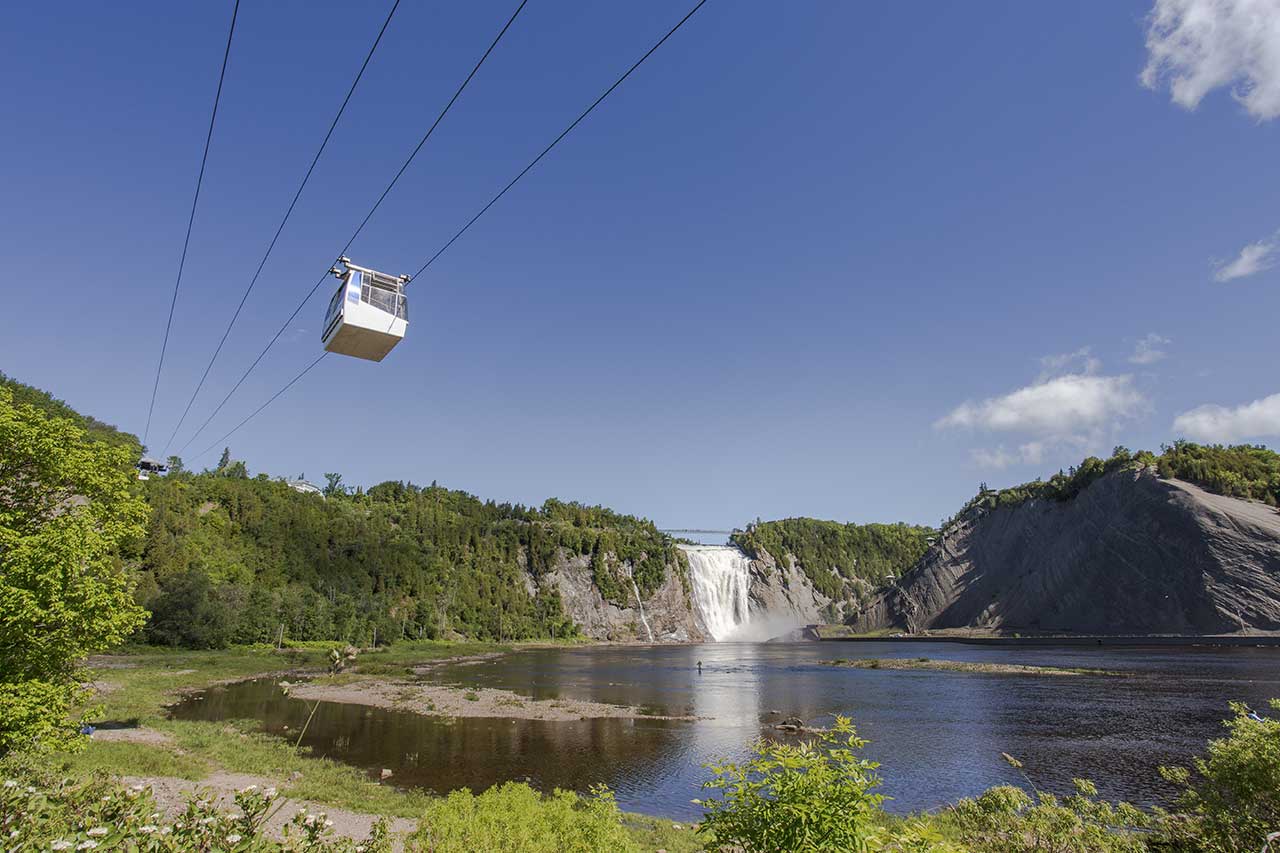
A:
[(60, 815)]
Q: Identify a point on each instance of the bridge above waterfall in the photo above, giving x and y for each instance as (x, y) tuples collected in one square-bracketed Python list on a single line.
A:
[(702, 535)]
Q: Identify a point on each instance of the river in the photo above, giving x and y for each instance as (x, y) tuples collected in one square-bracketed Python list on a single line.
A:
[(938, 735)]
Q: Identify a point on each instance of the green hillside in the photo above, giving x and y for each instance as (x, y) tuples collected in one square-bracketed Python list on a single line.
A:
[(232, 559), (869, 552)]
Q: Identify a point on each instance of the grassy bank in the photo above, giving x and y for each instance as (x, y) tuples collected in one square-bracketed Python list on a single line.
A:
[(135, 687)]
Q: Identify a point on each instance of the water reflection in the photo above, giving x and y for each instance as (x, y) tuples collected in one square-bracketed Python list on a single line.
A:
[(937, 735)]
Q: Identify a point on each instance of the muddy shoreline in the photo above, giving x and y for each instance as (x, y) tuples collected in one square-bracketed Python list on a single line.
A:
[(975, 668), (441, 700)]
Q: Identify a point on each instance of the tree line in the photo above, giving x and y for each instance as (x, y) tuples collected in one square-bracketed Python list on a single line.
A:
[(832, 554), (230, 558), (1250, 472)]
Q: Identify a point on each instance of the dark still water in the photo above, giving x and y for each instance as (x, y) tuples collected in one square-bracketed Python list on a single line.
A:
[(938, 735)]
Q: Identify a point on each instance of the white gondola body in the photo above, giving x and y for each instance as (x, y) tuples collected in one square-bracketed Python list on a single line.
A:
[(368, 315)]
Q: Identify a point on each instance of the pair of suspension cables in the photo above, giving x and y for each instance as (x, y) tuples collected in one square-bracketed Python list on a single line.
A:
[(413, 154)]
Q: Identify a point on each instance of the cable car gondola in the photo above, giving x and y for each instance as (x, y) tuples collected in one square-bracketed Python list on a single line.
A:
[(147, 466), (368, 315)]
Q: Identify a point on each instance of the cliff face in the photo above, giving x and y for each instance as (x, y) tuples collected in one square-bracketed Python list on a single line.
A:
[(782, 597), (670, 612), (1131, 554)]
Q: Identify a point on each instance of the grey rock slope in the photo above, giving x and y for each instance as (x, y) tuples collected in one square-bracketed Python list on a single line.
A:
[(669, 612), (782, 597), (1131, 554)]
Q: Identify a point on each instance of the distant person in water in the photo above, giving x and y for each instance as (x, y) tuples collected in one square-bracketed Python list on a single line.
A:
[(699, 667)]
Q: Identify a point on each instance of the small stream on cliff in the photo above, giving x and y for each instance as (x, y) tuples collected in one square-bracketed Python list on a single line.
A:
[(938, 735)]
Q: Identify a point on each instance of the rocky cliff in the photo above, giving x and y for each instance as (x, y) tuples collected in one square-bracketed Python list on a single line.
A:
[(779, 598), (669, 615), (1131, 554), (783, 598)]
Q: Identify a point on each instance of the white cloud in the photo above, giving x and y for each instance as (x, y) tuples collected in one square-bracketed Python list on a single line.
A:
[(1053, 365), (1060, 406), (1196, 46), (1215, 423), (1148, 349), (1031, 453), (1253, 259)]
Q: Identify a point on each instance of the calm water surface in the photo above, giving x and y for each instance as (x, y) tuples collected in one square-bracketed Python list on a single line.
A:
[(938, 735)]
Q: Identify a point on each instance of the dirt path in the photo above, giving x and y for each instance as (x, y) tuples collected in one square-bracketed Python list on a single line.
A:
[(171, 796), (445, 701), (140, 734)]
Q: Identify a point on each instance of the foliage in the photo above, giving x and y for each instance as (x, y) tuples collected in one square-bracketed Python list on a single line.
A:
[(101, 815), (1062, 486), (238, 560), (333, 485), (1231, 802), (67, 506), (1006, 819), (54, 408), (811, 797), (514, 818), (830, 553), (190, 612), (1240, 471)]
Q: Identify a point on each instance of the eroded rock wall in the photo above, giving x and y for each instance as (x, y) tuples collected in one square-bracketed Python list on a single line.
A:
[(669, 611), (1131, 554)]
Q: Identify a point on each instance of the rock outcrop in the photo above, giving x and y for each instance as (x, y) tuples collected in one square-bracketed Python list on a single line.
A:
[(669, 612), (782, 597), (1131, 554)]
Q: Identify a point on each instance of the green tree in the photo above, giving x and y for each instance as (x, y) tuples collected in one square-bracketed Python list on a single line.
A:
[(812, 797), (55, 408), (175, 465), (1230, 798), (237, 470), (1006, 819), (190, 612), (224, 460), (67, 507), (333, 485)]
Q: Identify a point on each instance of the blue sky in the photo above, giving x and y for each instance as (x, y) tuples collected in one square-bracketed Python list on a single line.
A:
[(833, 259)]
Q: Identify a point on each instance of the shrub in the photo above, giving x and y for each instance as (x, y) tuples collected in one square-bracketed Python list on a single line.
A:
[(514, 818), (813, 797), (1230, 799), (43, 814), (1006, 819)]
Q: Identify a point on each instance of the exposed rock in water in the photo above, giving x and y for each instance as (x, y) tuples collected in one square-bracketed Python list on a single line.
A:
[(1131, 554)]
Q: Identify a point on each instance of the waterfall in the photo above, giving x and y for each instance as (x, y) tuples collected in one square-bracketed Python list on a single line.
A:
[(631, 577), (721, 578)]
